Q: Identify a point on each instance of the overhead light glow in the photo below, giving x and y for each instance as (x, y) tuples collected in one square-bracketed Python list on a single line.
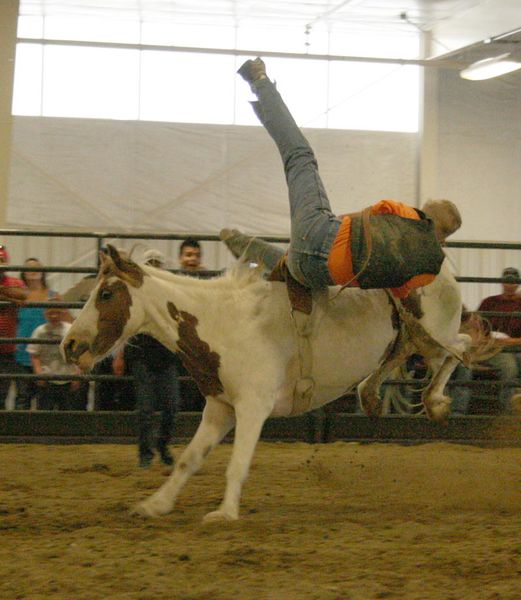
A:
[(490, 67)]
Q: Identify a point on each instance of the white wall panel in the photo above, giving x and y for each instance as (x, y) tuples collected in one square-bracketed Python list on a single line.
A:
[(479, 168), (158, 177)]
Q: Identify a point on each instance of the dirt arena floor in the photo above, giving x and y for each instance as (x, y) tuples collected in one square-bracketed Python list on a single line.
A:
[(342, 521)]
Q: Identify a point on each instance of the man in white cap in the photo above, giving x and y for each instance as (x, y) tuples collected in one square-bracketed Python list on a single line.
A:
[(154, 258)]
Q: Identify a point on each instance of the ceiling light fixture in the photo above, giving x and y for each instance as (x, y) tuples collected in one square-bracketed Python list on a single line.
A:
[(491, 67)]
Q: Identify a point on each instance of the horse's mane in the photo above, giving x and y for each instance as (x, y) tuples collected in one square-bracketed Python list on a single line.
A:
[(239, 276)]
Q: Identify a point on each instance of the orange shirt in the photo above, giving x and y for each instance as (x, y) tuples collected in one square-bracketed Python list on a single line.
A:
[(340, 260)]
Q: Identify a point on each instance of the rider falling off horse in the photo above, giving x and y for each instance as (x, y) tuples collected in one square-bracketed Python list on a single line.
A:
[(389, 245)]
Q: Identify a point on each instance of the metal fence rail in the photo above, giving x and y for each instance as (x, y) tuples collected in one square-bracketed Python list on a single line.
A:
[(318, 426)]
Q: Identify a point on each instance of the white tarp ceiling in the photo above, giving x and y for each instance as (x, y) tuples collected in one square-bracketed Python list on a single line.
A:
[(453, 23)]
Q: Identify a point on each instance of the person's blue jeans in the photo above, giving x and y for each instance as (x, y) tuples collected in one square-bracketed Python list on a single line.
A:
[(313, 225), (7, 365), (156, 388), (460, 394), (507, 365)]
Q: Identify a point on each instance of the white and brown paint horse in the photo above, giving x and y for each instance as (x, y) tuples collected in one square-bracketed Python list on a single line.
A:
[(239, 340)]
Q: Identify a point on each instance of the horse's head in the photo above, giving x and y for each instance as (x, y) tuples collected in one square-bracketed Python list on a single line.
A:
[(111, 315)]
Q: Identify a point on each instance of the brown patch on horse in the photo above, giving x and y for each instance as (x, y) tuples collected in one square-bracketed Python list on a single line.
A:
[(113, 312), (201, 362), (412, 304)]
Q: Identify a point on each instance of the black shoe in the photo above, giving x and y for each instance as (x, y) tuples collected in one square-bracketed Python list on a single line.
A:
[(166, 456), (145, 460), (253, 70)]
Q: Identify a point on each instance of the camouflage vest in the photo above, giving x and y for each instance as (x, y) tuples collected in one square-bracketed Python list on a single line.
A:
[(401, 249)]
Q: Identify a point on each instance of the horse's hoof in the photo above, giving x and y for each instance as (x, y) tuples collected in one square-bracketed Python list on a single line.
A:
[(371, 403), (438, 410), (150, 508), (217, 516), (140, 509)]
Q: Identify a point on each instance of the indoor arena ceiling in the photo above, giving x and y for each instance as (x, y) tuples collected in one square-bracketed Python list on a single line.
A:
[(455, 24)]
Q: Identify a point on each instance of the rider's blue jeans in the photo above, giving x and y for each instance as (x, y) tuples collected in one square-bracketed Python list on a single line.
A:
[(313, 225)]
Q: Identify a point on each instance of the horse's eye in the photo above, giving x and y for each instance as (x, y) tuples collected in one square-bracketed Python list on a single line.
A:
[(105, 294)]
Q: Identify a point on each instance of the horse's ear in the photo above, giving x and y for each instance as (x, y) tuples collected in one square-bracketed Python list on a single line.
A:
[(127, 269), (112, 251), (118, 260), (103, 258)]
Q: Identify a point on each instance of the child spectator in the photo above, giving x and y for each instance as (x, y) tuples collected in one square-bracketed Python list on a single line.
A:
[(190, 255), (47, 359)]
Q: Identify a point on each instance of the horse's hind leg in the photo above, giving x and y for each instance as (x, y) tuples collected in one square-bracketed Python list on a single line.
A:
[(217, 420)]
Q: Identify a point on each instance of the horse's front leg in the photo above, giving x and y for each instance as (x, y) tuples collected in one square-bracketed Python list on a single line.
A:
[(250, 416), (368, 391), (437, 404), (217, 420)]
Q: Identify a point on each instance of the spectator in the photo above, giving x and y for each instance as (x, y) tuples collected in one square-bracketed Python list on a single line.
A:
[(508, 301), (47, 359), (29, 319), (113, 395), (155, 370), (505, 327), (12, 289), (190, 255), (154, 258), (461, 394)]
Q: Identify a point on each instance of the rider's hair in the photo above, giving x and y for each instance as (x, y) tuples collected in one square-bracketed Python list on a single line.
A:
[(445, 215)]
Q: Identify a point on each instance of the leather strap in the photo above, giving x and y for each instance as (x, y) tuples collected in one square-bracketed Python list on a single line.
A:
[(366, 225)]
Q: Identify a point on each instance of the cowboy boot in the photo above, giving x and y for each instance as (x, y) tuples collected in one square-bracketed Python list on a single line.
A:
[(253, 70), (236, 241), (165, 454), (251, 249)]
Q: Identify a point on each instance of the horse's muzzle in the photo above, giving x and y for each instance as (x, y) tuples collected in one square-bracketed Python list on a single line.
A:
[(74, 349)]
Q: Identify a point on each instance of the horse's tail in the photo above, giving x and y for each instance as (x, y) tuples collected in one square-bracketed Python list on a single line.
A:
[(483, 346)]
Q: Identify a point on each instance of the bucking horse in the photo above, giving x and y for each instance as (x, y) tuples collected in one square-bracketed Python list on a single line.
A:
[(254, 357)]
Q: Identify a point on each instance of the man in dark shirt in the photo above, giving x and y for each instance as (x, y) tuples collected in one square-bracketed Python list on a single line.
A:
[(509, 301), (506, 363), (156, 386)]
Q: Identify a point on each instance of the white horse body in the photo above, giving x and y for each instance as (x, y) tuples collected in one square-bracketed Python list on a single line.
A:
[(247, 324), (253, 332)]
